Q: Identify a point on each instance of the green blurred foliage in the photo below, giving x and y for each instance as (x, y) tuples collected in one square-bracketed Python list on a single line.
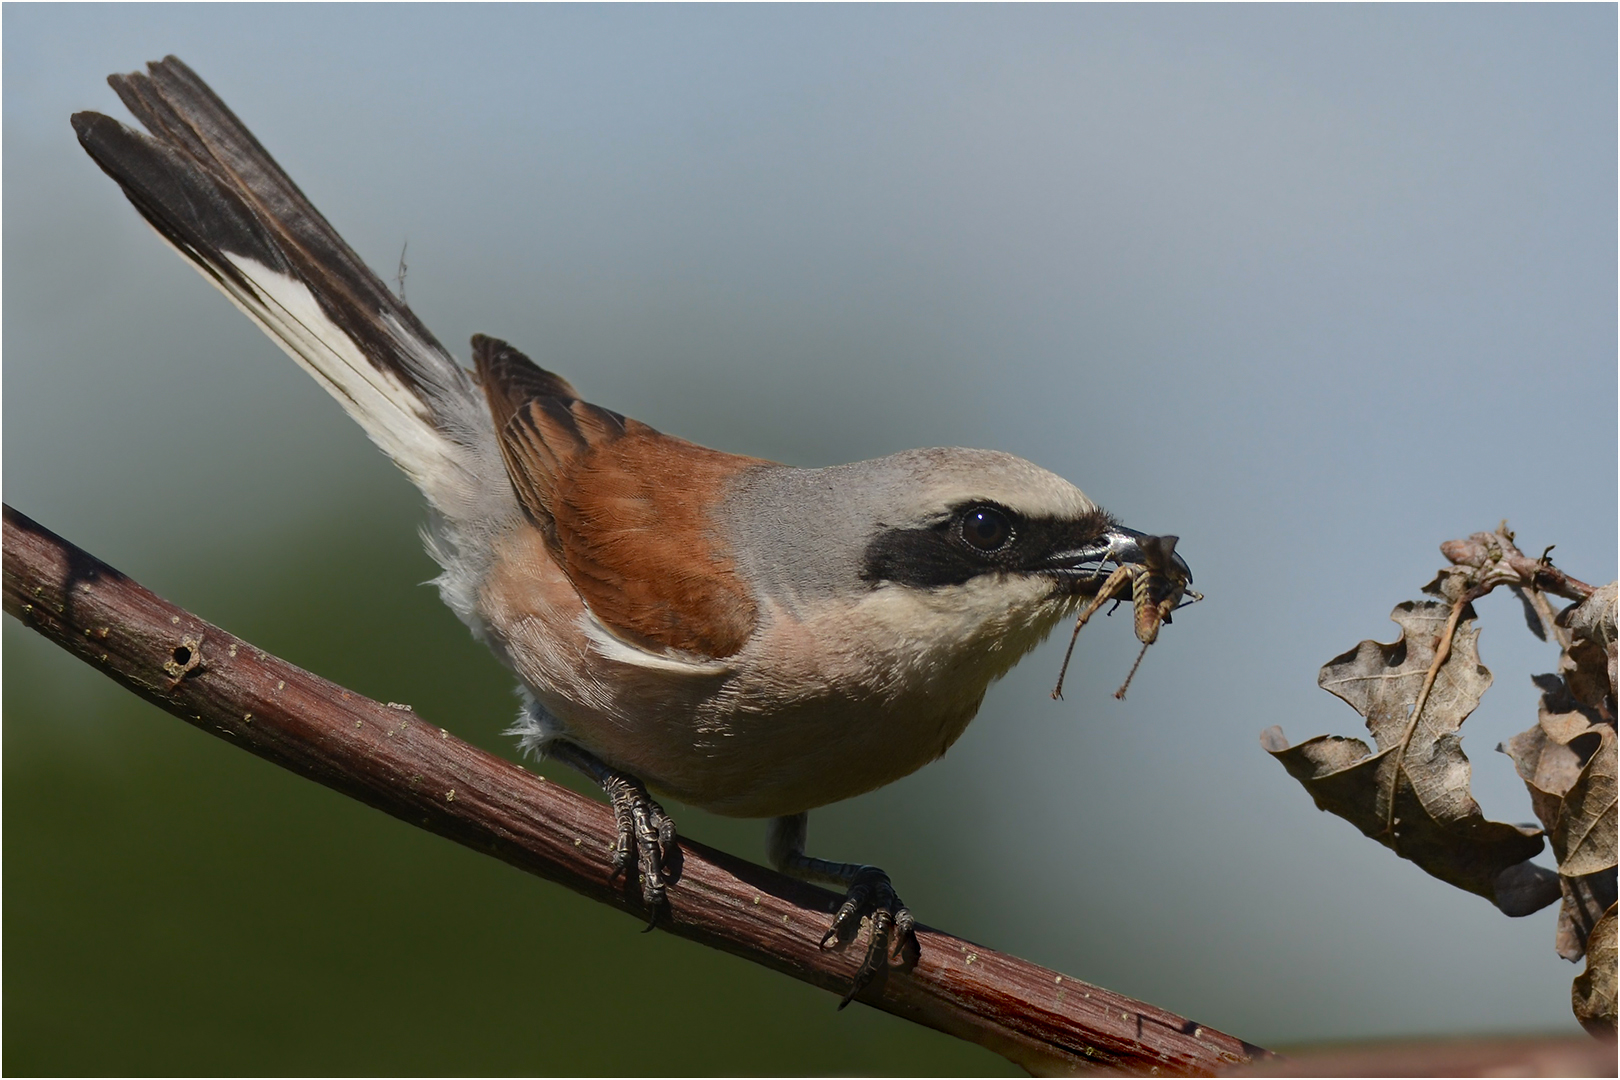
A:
[(178, 906)]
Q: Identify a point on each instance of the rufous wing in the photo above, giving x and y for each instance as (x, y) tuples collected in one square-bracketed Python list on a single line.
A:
[(511, 380), (625, 509)]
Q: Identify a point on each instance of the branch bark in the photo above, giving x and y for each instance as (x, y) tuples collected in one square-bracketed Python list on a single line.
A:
[(389, 758)]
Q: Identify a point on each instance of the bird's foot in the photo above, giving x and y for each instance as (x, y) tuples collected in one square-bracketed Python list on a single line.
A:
[(646, 832), (871, 894), (644, 829)]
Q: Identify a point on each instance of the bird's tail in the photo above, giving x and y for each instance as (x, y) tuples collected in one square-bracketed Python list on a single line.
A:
[(205, 184)]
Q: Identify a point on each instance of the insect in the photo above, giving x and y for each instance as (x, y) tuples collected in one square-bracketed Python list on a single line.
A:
[(1158, 586)]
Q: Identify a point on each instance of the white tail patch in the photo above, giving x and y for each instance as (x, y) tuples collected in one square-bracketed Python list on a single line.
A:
[(390, 412)]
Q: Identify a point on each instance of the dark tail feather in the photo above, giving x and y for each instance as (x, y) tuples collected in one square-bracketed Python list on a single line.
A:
[(204, 182)]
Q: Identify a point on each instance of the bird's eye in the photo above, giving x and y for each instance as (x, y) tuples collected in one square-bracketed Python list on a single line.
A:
[(986, 529)]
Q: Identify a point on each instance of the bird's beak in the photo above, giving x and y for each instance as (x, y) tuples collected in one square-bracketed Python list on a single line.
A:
[(1119, 546)]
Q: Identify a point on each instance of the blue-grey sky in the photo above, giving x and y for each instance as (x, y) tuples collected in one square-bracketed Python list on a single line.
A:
[(1315, 288)]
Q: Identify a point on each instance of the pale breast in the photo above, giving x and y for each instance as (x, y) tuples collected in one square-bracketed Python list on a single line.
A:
[(813, 710)]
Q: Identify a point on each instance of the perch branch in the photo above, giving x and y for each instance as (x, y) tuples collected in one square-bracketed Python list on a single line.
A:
[(389, 758)]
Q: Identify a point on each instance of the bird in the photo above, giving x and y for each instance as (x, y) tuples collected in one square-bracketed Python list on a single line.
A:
[(744, 636)]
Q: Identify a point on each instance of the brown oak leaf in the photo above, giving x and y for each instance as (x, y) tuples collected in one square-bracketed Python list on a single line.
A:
[(1593, 995), (1412, 795)]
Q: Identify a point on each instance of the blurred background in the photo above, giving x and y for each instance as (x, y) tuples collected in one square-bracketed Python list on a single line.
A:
[(1316, 288)]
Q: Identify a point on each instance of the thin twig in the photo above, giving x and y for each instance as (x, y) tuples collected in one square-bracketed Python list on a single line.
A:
[(391, 759), (1497, 560)]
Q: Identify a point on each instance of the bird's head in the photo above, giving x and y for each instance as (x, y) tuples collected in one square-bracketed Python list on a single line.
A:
[(940, 558)]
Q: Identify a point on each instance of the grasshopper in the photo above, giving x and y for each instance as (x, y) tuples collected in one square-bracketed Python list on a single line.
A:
[(1157, 586)]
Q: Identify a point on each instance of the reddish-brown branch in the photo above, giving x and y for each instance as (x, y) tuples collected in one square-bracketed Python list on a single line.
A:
[(393, 760)]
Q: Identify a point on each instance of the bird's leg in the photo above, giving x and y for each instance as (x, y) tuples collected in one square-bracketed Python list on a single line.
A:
[(643, 826), (869, 892)]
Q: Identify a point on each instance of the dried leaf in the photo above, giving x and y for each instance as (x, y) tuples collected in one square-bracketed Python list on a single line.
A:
[(1412, 794), (1525, 888), (1548, 769), (1584, 838), (1532, 617), (1589, 664), (1585, 901), (1585, 667), (1593, 994), (1542, 755), (1451, 583), (1568, 757), (1593, 619), (1559, 714), (1567, 762), (1382, 681)]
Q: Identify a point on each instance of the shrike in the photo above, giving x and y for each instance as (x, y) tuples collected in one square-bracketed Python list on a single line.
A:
[(744, 636)]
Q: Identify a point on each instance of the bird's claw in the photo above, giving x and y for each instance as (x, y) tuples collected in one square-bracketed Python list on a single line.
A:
[(871, 893), (643, 827)]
